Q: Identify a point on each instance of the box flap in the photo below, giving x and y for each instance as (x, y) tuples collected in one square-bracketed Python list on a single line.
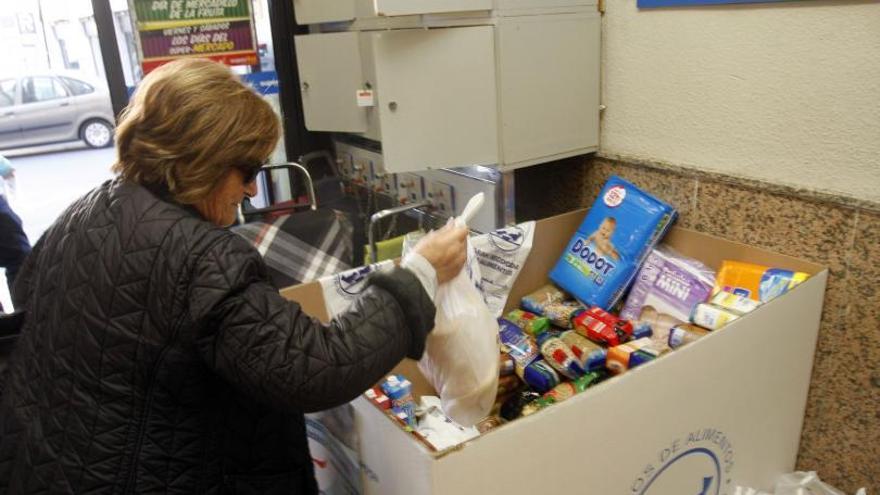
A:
[(311, 297), (551, 236)]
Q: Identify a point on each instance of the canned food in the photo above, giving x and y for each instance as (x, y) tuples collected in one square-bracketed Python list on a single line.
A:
[(539, 375), (562, 313), (681, 335), (489, 423), (734, 302), (602, 327), (399, 390), (531, 323), (537, 301), (561, 392), (512, 408), (629, 355), (589, 380), (642, 356), (506, 365), (408, 418), (590, 356), (642, 330), (711, 317), (536, 405), (507, 384), (559, 355), (378, 398), (521, 347)]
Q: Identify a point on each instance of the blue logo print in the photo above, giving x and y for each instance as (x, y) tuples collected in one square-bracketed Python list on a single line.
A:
[(351, 282), (507, 239), (707, 482), (678, 475)]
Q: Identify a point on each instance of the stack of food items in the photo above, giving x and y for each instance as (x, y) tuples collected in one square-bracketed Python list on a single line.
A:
[(562, 344), (425, 420), (618, 300)]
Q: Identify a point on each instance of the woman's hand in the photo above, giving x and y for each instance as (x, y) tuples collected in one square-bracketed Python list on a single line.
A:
[(445, 250)]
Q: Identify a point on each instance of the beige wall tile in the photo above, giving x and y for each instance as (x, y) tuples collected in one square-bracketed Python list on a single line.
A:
[(597, 173), (846, 448), (812, 231), (549, 189)]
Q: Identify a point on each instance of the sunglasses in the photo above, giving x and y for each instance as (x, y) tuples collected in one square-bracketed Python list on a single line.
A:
[(249, 173)]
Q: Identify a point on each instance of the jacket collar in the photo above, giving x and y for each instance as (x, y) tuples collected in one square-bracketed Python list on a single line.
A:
[(161, 192)]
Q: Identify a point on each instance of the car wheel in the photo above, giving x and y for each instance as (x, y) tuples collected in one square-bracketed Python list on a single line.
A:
[(97, 133)]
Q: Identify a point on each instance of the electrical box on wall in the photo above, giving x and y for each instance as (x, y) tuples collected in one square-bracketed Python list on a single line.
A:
[(446, 190), (506, 83)]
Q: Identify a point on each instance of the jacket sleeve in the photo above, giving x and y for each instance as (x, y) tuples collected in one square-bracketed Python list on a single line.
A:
[(270, 350)]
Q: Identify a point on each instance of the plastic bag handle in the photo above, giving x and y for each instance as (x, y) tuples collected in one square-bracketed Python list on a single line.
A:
[(471, 209)]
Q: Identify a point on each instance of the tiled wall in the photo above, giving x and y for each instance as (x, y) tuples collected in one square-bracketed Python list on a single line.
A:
[(841, 436)]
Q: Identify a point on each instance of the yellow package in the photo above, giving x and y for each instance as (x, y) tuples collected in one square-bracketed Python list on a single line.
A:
[(386, 250), (757, 282)]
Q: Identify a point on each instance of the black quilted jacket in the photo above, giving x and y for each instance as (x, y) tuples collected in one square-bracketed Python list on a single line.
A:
[(156, 357)]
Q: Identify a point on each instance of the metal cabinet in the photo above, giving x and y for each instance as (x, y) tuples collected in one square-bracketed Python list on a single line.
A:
[(459, 89), (317, 11), (548, 80), (330, 74), (413, 7), (544, 4), (321, 11), (435, 100)]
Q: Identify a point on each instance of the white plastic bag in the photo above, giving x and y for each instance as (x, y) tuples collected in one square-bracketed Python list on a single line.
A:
[(461, 353), (797, 483), (501, 255), (342, 289), (806, 483), (333, 444)]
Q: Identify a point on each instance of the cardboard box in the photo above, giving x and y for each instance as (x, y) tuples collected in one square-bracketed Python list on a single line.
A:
[(726, 410)]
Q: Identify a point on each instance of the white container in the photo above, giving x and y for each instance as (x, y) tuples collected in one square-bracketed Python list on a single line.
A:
[(726, 410)]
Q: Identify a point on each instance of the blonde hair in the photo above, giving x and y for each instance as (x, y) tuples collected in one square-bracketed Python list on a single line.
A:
[(188, 124)]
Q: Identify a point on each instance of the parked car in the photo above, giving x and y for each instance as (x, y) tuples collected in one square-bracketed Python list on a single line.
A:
[(48, 108)]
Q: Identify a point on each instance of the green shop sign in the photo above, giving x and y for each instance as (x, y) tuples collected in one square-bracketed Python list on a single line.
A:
[(163, 11)]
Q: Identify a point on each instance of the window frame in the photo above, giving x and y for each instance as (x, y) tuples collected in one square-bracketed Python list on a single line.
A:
[(72, 83), (54, 80), (14, 94)]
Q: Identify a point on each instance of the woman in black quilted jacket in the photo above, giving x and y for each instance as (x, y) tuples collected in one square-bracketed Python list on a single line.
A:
[(156, 357)]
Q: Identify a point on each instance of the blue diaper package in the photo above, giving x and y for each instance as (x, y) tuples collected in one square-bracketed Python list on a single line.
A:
[(602, 258)]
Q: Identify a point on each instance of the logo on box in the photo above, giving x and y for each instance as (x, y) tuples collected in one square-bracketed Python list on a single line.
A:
[(698, 463), (351, 283), (615, 196)]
